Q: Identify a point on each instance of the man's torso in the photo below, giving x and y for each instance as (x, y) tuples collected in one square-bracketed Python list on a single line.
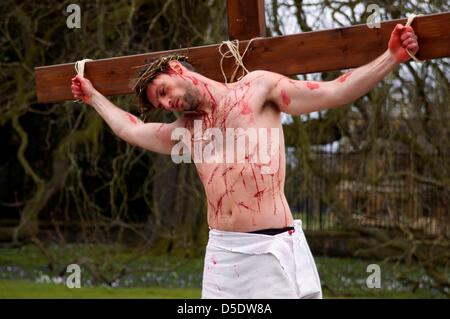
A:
[(246, 191)]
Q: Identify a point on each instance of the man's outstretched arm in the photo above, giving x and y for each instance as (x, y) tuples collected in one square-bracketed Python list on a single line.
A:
[(302, 97), (154, 137)]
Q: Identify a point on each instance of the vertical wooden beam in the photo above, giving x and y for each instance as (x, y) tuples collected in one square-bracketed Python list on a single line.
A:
[(246, 19)]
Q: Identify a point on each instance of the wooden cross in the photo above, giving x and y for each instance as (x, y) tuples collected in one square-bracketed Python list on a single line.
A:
[(301, 53)]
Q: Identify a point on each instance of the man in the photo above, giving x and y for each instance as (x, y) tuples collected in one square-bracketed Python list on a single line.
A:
[(255, 249)]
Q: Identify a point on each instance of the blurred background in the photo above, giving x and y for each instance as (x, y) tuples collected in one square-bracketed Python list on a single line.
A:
[(370, 180)]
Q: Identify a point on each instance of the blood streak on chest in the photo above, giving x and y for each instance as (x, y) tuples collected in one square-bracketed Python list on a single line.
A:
[(246, 108), (242, 177), (212, 174), (224, 174)]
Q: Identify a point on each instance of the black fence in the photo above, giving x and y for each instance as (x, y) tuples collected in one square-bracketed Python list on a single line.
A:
[(387, 190)]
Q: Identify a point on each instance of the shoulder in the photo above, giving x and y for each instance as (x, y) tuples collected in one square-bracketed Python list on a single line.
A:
[(263, 78), (260, 75)]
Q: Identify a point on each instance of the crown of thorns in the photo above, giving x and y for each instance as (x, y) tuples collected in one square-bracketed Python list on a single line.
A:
[(148, 73)]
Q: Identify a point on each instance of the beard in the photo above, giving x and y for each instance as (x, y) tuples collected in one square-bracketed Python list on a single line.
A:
[(191, 98)]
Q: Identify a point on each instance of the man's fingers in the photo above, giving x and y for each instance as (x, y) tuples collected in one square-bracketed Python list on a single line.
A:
[(79, 79), (399, 27), (412, 46), (406, 35), (408, 41), (397, 30), (76, 89)]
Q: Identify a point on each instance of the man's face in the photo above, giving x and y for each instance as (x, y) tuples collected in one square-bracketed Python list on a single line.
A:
[(173, 92)]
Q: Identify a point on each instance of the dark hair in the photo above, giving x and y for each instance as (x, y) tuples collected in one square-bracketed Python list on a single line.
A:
[(148, 73)]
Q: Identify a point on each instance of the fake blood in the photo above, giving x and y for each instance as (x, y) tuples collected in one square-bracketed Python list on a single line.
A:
[(245, 108), (257, 189), (193, 79), (132, 119), (286, 99), (219, 204), (224, 174), (344, 77), (259, 194), (243, 179), (212, 174), (273, 196), (312, 85), (245, 206)]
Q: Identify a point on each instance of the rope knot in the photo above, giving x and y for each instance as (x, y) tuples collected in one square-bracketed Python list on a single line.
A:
[(233, 52)]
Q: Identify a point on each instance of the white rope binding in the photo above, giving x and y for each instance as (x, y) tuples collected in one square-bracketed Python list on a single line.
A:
[(79, 66), (408, 23), (233, 52)]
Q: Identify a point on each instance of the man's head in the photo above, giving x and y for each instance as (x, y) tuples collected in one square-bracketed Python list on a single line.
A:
[(166, 83)]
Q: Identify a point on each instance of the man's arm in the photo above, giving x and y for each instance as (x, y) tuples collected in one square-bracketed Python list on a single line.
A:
[(302, 97), (151, 136)]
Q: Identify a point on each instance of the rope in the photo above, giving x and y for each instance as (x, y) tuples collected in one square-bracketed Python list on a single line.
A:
[(233, 52), (79, 66), (408, 23)]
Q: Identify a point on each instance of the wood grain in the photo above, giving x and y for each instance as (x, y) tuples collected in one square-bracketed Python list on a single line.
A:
[(246, 19), (307, 52)]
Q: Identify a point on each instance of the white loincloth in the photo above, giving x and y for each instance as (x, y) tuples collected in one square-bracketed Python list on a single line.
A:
[(244, 265)]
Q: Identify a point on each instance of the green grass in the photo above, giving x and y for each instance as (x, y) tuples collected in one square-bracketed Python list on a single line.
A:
[(27, 289), (148, 276)]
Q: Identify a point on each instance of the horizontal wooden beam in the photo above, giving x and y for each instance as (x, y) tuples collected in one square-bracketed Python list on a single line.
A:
[(306, 52)]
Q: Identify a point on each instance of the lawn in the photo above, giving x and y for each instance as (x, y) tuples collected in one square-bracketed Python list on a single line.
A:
[(26, 273), (29, 289)]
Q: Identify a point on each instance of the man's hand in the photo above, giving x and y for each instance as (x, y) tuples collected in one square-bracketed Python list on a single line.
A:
[(82, 88), (402, 38)]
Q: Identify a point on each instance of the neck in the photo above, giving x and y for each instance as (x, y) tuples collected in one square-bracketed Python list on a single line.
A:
[(210, 93)]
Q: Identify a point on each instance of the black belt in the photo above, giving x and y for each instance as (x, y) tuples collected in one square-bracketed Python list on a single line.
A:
[(272, 231)]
